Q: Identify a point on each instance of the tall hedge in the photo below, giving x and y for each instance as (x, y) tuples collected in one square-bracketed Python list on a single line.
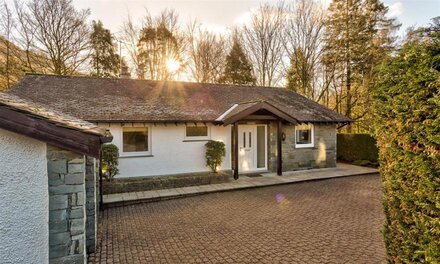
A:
[(354, 147), (407, 106)]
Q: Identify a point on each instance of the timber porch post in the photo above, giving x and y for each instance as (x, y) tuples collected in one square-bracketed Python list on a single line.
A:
[(235, 145), (279, 148)]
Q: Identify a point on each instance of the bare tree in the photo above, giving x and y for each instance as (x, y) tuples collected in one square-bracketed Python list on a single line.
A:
[(207, 52), (130, 39), (263, 42), (304, 37), (160, 46), (60, 33), (6, 27), (32, 60)]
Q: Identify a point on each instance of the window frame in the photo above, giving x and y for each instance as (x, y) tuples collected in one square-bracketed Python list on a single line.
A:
[(312, 132), (135, 153), (197, 138), (266, 147)]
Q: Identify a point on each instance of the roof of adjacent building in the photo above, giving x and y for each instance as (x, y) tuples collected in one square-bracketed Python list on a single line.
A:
[(52, 126), (56, 117), (126, 100)]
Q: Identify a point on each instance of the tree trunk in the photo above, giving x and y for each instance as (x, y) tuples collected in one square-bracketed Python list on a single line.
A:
[(348, 89), (348, 66)]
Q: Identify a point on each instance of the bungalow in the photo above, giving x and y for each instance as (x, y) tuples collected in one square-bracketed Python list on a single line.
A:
[(161, 127)]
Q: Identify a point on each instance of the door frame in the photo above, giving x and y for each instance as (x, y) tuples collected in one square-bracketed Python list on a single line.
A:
[(255, 154)]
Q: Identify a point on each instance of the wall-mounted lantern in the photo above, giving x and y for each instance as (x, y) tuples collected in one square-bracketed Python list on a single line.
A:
[(283, 136)]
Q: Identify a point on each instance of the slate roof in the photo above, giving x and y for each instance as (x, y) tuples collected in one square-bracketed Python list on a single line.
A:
[(240, 111), (125, 100), (55, 117), (237, 108)]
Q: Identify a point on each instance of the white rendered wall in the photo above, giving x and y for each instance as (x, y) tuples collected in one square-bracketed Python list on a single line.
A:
[(24, 212), (171, 154)]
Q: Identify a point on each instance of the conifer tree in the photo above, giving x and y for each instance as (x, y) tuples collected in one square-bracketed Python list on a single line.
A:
[(238, 69), (105, 61), (358, 37)]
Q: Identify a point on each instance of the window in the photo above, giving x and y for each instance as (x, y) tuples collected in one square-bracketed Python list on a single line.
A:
[(197, 133), (304, 136), (135, 140)]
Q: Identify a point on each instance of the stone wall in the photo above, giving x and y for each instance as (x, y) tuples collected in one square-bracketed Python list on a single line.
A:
[(148, 183), (92, 169), (66, 172), (322, 155)]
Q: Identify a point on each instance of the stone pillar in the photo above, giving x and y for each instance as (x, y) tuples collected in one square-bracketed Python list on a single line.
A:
[(92, 169), (66, 172), (272, 146)]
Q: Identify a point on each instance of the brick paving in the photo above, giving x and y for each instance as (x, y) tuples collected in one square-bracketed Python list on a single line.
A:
[(328, 221), (244, 182)]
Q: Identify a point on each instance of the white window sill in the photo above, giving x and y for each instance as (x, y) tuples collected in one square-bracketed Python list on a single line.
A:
[(135, 155), (196, 140), (300, 146)]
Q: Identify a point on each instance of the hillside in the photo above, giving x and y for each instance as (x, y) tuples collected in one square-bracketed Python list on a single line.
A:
[(19, 63)]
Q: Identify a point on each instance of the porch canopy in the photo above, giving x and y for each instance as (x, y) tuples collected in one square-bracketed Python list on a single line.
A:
[(255, 111)]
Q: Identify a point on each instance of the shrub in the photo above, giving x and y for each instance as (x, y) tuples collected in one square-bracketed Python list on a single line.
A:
[(357, 147), (110, 155), (407, 113), (215, 151)]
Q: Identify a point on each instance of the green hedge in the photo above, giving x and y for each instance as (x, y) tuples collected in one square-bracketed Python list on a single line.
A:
[(357, 148), (407, 114)]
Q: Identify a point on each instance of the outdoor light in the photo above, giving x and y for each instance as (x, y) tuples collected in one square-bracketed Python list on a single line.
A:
[(283, 136)]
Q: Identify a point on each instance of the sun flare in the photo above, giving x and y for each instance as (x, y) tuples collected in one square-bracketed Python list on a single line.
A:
[(173, 65)]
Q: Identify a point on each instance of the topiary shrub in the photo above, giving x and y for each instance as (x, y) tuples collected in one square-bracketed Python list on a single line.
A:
[(407, 113), (357, 148), (110, 155), (215, 151)]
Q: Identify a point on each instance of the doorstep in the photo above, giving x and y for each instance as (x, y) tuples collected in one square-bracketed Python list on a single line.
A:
[(267, 179)]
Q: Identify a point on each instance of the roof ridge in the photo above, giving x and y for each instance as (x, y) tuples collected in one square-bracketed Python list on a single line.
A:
[(150, 80), (78, 76)]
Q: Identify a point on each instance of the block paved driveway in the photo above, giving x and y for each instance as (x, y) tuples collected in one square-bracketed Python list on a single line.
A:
[(328, 221)]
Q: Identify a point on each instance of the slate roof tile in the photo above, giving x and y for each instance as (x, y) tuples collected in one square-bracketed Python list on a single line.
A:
[(118, 100), (55, 117)]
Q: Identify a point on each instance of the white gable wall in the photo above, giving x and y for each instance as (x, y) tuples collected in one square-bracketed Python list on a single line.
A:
[(24, 200), (170, 152)]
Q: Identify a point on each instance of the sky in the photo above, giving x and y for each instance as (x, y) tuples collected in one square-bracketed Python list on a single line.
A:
[(220, 15)]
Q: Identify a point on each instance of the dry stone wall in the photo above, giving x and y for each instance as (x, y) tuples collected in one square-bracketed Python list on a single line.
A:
[(67, 210)]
